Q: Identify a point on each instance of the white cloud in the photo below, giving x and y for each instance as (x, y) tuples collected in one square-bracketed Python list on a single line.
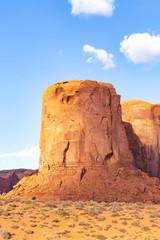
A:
[(141, 48), (99, 55), (98, 7), (33, 152)]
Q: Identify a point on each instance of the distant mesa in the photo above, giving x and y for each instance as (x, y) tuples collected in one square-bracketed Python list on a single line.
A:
[(86, 153), (9, 178)]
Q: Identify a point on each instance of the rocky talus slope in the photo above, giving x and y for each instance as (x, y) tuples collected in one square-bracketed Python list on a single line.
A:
[(85, 152)]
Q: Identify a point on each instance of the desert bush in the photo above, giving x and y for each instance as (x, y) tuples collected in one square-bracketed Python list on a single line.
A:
[(155, 214), (15, 226), (100, 218), (22, 207), (55, 220), (28, 231), (48, 236), (42, 216), (101, 237), (17, 199), (98, 226), (79, 231), (43, 225), (145, 228), (79, 205), (124, 223), (13, 205), (71, 225), (115, 214), (55, 225), (136, 223), (62, 212), (61, 232), (123, 230), (83, 224), (92, 211), (154, 225), (67, 203), (29, 201), (32, 216), (5, 213), (137, 215), (114, 221), (147, 238), (107, 227), (125, 218), (5, 234), (1, 211), (33, 225), (50, 204), (66, 213)]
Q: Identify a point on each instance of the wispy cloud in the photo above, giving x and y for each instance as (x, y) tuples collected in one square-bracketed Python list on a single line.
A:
[(88, 7), (141, 48), (33, 152), (60, 52), (99, 55)]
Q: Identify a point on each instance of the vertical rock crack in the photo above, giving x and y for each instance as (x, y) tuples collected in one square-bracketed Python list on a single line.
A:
[(83, 171), (65, 153)]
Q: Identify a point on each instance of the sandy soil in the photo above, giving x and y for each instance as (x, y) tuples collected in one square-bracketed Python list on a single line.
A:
[(30, 219)]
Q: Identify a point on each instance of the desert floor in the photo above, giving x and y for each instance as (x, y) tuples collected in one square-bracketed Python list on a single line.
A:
[(31, 219)]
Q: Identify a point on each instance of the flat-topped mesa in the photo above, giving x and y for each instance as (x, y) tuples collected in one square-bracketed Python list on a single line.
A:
[(81, 125), (142, 123)]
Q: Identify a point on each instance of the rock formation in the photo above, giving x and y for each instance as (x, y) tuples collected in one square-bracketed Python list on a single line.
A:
[(81, 125), (9, 178), (142, 124), (84, 149)]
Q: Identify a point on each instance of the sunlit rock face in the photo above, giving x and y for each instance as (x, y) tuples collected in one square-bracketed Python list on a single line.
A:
[(142, 123), (81, 125)]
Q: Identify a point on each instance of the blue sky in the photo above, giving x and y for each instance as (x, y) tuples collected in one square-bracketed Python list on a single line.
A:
[(44, 42)]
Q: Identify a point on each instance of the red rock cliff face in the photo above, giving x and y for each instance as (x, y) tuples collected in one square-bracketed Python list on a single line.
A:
[(142, 123), (81, 125)]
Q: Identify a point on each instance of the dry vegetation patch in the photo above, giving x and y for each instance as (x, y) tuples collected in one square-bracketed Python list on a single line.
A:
[(30, 219)]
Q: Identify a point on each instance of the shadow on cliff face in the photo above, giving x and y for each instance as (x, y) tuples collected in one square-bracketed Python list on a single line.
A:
[(137, 148)]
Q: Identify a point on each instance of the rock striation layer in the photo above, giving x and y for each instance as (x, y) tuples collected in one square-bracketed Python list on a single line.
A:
[(142, 124), (85, 152)]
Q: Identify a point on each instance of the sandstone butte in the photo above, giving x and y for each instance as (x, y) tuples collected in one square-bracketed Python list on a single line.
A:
[(85, 152), (142, 124)]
